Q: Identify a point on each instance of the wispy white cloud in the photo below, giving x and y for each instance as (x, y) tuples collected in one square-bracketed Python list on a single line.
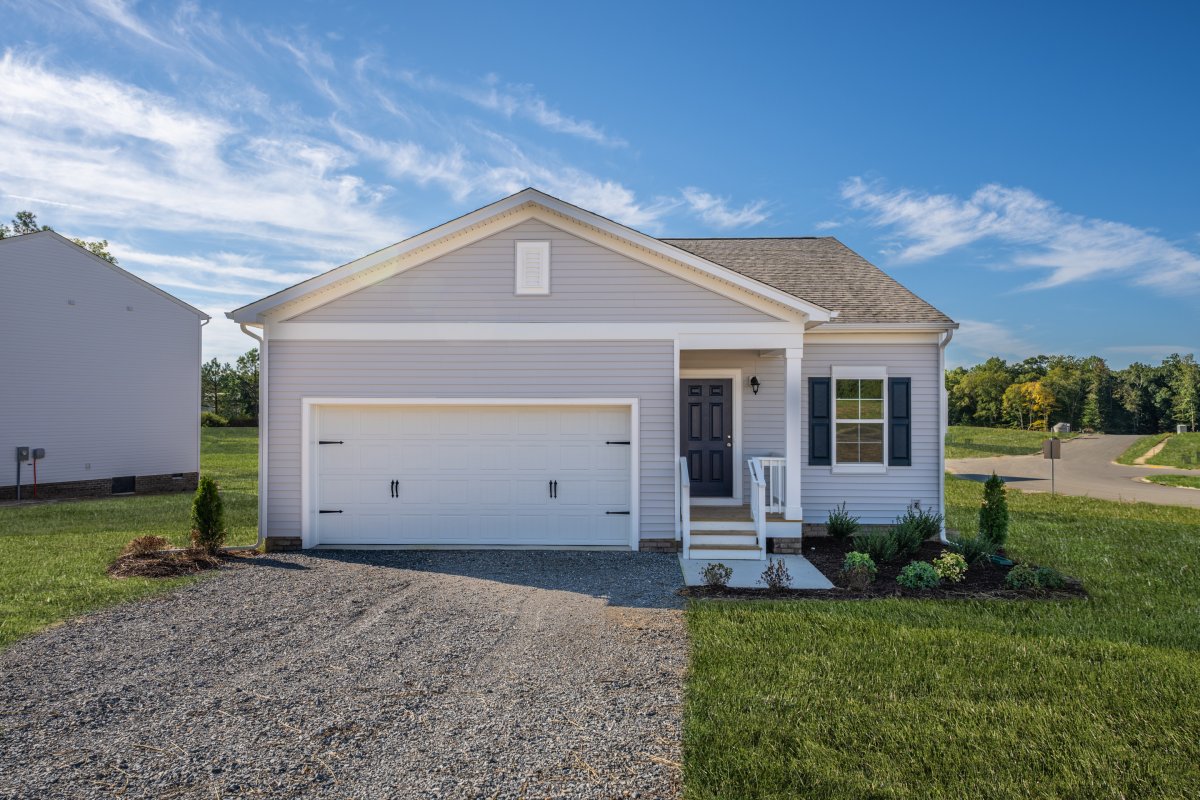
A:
[(977, 339), (1156, 351), (121, 13), (828, 224), (1068, 247), (717, 211)]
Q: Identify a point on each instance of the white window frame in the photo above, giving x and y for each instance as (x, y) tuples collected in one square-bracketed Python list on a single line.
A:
[(523, 247), (860, 374)]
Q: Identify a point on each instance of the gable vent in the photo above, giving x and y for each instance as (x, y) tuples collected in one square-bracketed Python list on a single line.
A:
[(533, 268)]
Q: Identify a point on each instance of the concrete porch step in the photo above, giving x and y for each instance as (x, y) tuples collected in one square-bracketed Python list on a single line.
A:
[(715, 538), (725, 552)]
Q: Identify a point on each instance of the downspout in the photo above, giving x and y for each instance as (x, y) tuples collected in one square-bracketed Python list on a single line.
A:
[(200, 396), (943, 422), (262, 433)]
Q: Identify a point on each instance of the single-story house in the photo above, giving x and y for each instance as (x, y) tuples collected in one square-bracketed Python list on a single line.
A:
[(101, 372), (532, 374)]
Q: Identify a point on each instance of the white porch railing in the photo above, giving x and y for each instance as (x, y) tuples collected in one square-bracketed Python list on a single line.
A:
[(758, 504), (774, 471), (684, 517)]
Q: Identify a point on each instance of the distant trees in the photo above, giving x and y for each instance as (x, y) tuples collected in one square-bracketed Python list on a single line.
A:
[(231, 390), (26, 222), (1041, 391)]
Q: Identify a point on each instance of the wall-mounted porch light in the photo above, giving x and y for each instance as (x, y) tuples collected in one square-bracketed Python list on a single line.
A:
[(754, 384)]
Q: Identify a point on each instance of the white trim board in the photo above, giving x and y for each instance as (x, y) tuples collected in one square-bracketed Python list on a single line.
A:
[(308, 443), (720, 374), (526, 205)]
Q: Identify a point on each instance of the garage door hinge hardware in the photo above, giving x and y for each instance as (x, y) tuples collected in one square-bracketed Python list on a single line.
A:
[(616, 442), (328, 441), (626, 513), (329, 511)]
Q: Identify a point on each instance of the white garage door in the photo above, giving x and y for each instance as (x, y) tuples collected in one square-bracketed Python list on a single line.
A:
[(473, 475)]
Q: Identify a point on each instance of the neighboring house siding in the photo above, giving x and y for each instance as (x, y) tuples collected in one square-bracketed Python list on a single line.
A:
[(617, 369), (588, 283), (877, 499), (93, 383), (763, 418)]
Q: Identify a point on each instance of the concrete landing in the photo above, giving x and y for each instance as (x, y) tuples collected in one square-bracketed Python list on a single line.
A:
[(747, 574)]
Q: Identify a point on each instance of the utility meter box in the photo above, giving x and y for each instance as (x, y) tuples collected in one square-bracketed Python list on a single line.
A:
[(1062, 427), (22, 454), (1181, 429), (38, 453)]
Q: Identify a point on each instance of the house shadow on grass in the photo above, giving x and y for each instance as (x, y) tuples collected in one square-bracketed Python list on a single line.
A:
[(632, 580)]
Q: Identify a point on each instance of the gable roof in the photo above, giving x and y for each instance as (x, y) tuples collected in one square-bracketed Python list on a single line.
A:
[(106, 263), (823, 270), (420, 248)]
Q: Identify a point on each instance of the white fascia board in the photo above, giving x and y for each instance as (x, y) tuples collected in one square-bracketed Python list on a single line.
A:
[(504, 214), (883, 327)]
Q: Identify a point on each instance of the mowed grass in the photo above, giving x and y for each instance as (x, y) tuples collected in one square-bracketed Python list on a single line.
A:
[(1188, 481), (1095, 698), (965, 441), (1182, 450), (1140, 448), (53, 556)]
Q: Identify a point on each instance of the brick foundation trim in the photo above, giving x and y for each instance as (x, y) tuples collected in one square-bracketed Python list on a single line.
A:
[(820, 529), (282, 544), (785, 545), (658, 546), (102, 487)]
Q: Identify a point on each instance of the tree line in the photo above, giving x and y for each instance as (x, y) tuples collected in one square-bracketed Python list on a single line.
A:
[(26, 222), (230, 391), (1042, 391)]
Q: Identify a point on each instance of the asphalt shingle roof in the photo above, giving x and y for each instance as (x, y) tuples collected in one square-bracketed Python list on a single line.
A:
[(821, 270)]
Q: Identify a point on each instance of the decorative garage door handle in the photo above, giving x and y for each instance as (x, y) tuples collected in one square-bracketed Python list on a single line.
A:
[(329, 511), (616, 442), (553, 487), (329, 441), (626, 513), (395, 488)]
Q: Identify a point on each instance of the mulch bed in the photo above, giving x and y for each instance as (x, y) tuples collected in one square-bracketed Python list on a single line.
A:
[(173, 563), (982, 581)]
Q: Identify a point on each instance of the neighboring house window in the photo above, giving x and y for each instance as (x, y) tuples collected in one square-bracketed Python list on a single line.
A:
[(533, 268), (859, 421)]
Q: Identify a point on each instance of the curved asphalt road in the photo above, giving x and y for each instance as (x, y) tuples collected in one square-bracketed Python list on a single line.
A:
[(1085, 469)]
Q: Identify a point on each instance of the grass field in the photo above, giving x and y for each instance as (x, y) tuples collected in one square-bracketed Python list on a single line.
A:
[(1189, 481), (964, 441), (1182, 450), (53, 556), (1140, 448), (921, 699)]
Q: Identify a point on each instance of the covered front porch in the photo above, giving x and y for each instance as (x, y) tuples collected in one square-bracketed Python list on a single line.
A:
[(739, 425)]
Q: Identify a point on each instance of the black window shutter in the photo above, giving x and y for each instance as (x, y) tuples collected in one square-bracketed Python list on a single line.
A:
[(900, 422), (820, 424)]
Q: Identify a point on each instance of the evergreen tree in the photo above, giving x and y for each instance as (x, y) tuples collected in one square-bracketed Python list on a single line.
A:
[(993, 513), (208, 516)]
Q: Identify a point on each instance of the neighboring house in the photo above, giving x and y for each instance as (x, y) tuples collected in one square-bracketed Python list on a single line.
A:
[(532, 374), (100, 369)]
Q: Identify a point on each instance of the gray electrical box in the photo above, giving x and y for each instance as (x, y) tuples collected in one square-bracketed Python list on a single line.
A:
[(38, 454), (22, 454)]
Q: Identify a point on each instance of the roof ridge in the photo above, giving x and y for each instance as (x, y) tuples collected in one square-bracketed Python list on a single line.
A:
[(739, 238)]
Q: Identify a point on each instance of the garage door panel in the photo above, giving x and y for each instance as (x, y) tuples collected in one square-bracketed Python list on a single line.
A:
[(473, 475)]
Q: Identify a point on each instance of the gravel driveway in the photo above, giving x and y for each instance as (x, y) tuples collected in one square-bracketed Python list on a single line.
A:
[(361, 674)]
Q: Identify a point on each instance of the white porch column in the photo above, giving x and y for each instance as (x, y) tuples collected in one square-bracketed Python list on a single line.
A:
[(795, 396)]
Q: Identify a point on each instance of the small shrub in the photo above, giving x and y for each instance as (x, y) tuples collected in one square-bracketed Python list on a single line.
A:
[(208, 516), (1021, 576), (993, 513), (914, 527), (776, 575), (881, 546), (918, 575), (210, 420), (974, 549), (950, 567), (841, 525), (1049, 578), (858, 570), (716, 575), (145, 545)]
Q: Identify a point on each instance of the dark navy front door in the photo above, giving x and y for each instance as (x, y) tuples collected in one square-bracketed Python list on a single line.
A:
[(706, 435)]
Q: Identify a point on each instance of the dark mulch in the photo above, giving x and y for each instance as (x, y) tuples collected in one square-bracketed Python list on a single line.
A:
[(173, 563), (982, 581)]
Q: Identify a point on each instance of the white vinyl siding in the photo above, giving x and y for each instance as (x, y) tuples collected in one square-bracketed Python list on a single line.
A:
[(93, 383), (496, 369), (589, 284)]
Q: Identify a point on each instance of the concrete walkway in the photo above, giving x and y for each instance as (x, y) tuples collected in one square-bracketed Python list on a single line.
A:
[(748, 574), (1086, 469)]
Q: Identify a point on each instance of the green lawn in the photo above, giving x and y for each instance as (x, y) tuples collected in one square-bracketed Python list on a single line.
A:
[(921, 699), (1140, 448), (1182, 450), (964, 441), (53, 556), (1190, 481)]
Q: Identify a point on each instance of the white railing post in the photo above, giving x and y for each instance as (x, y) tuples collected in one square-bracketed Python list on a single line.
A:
[(758, 504), (685, 506)]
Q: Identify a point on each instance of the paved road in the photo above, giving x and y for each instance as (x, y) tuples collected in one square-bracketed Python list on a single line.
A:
[(361, 675), (1086, 469)]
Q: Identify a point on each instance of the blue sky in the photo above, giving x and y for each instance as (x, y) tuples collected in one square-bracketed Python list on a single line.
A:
[(1031, 170)]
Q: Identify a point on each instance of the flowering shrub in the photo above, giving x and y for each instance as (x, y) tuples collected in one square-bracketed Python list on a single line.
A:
[(950, 567)]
